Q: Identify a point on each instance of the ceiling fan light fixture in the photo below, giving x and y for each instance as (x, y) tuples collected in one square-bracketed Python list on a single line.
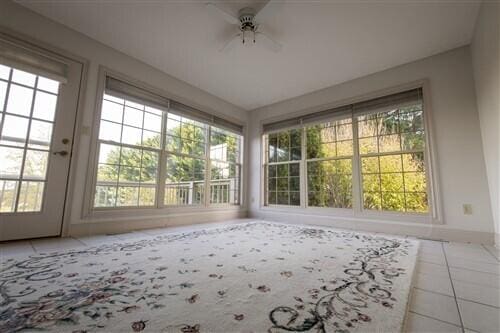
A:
[(246, 23)]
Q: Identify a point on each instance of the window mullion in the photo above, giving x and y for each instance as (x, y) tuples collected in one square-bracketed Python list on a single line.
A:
[(162, 164), (207, 191), (303, 170), (357, 190)]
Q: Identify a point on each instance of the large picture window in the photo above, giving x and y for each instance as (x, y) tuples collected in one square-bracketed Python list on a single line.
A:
[(379, 145), (284, 152), (143, 144)]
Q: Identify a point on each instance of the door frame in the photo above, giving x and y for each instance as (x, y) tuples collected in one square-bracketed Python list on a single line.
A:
[(43, 47)]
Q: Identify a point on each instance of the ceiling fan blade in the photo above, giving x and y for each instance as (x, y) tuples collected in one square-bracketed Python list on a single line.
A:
[(231, 43), (267, 41), (264, 11), (222, 13)]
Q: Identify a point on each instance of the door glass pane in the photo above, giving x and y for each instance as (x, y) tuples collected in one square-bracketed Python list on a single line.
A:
[(35, 164), (11, 160), (40, 134), (48, 85), (15, 130), (24, 141), (19, 100), (4, 72), (30, 197), (45, 106), (3, 92), (23, 77), (8, 193)]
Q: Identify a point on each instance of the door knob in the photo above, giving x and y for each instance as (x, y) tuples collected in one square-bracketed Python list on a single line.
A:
[(62, 153)]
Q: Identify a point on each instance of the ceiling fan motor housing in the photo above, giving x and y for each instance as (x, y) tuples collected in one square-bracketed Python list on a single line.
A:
[(246, 16)]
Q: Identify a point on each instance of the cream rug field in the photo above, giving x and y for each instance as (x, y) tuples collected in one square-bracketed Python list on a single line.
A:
[(252, 277)]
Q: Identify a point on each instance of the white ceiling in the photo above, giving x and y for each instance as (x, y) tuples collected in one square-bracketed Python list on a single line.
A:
[(325, 42)]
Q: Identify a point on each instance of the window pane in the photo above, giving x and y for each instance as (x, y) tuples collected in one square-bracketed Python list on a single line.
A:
[(369, 165), (48, 85), (391, 163), (3, 92), (14, 131), (371, 183), (133, 117), (132, 136), (105, 196), (35, 165), (224, 184), (30, 197), (4, 72), (23, 77), (415, 182), (147, 196), (109, 154), (393, 201), (128, 196), (110, 131), (40, 134), (388, 122), (411, 121), (107, 174), (389, 143), (152, 122), (151, 139), (273, 147), (10, 162), (45, 106), (413, 162), (120, 174), (331, 183), (372, 200), (8, 193), (114, 99), (417, 202), (185, 180), (224, 146), (19, 101), (368, 127), (413, 141), (185, 136), (368, 145), (392, 182), (389, 181), (112, 111)]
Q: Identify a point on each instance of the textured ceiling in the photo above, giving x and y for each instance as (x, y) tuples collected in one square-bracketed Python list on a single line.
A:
[(324, 42)]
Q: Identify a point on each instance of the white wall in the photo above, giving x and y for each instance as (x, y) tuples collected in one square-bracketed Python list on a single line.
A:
[(457, 139), (485, 60), (20, 20)]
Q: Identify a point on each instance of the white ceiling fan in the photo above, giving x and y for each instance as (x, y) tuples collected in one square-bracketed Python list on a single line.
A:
[(248, 27)]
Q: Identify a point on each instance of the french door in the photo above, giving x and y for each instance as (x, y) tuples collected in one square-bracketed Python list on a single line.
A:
[(37, 117)]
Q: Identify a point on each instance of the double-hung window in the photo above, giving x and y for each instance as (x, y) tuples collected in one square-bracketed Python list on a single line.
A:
[(155, 152), (364, 156)]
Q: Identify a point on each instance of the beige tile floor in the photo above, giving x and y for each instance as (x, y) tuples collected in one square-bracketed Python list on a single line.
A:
[(456, 286)]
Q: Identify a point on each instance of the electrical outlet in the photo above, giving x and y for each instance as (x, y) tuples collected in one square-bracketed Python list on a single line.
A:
[(467, 209)]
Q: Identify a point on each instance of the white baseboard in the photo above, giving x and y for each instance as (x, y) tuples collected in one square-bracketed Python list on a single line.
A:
[(127, 225), (425, 231)]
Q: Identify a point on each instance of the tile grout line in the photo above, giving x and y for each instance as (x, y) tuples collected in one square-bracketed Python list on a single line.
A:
[(33, 247), (440, 320), (487, 250), (458, 298), (453, 288), (474, 270)]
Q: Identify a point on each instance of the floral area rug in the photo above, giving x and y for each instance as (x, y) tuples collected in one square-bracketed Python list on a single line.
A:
[(252, 277)]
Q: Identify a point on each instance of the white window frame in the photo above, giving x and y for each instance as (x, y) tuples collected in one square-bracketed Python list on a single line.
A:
[(159, 208), (357, 212)]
